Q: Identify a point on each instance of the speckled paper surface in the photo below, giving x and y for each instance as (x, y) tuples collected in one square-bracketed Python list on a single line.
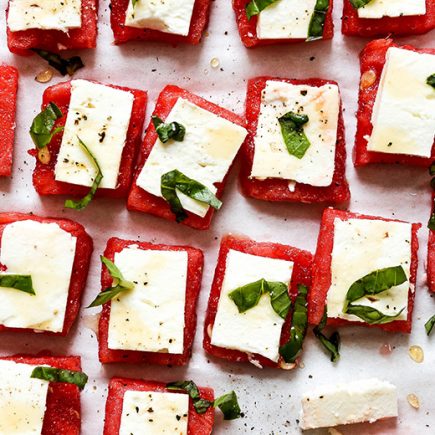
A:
[(269, 398)]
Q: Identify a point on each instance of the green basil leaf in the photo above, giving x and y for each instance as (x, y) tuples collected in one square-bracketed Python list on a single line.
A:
[(317, 22), (371, 315), (254, 7), (429, 325), (293, 134), (83, 203), (175, 180), (41, 130), (293, 348), (248, 296), (359, 3), (279, 298), (374, 283), (189, 386), (172, 130), (432, 169), (64, 66), (331, 344), (110, 293), (201, 405), (17, 282), (431, 82), (431, 222), (229, 406), (52, 374)]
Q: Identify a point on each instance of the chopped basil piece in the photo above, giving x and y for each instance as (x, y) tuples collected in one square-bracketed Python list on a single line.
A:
[(172, 130), (431, 82), (82, 203), (317, 22), (64, 66), (359, 3), (42, 126), (229, 406), (254, 7), (248, 296), (227, 403), (52, 374), (175, 180), (375, 282), (431, 223), (17, 282), (331, 344), (293, 134), (293, 348), (109, 293), (371, 315), (429, 325)]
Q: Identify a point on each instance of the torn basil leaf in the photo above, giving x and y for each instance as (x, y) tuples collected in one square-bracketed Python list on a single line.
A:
[(172, 130), (371, 315), (64, 66), (331, 344), (229, 406), (375, 282), (17, 282), (431, 222), (317, 22), (227, 403), (431, 82), (359, 3), (121, 284), (429, 325), (83, 203), (293, 348), (254, 7), (42, 126), (293, 134), (175, 180), (248, 296), (52, 374)]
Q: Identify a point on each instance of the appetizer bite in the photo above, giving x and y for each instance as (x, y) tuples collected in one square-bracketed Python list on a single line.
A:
[(396, 112), (385, 17), (8, 101), (257, 289), (296, 146), (51, 25), (40, 394), (283, 21), (149, 302), (187, 152), (172, 21), (44, 264), (137, 406), (86, 140), (364, 271), (365, 400)]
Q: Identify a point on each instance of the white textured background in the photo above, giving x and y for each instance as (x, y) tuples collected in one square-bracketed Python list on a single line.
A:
[(269, 398)]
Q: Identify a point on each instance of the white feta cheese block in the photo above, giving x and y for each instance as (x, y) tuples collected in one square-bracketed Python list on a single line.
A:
[(44, 14), (22, 399), (365, 400), (168, 16), (209, 147), (100, 116), (285, 19), (46, 253), (150, 317), (392, 8), (271, 157), (362, 246), (257, 330), (154, 413), (403, 116)]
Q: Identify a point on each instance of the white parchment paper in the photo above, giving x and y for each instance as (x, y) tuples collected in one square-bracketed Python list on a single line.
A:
[(269, 398)]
